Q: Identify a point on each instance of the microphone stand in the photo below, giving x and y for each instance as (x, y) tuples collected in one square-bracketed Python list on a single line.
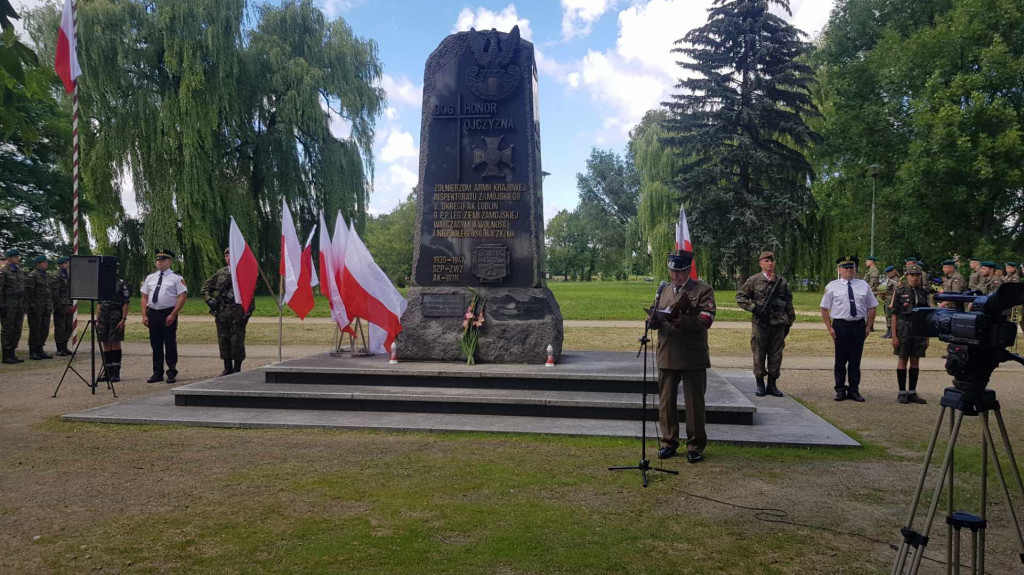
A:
[(645, 463)]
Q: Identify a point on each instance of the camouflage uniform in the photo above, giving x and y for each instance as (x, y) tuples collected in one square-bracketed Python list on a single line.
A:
[(62, 304), (770, 323), (219, 294), (974, 281), (886, 287), (952, 283), (12, 308), (39, 300), (872, 276)]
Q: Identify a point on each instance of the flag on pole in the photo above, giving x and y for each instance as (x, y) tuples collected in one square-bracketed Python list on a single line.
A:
[(296, 266), (66, 61), (243, 266), (302, 300), (683, 238), (373, 296), (329, 278)]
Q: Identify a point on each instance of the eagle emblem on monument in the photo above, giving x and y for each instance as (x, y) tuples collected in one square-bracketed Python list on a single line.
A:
[(495, 76)]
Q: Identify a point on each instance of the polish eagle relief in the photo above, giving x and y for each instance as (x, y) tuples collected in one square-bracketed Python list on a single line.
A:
[(495, 77)]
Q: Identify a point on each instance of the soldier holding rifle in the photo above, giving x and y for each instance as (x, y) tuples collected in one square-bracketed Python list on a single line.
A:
[(768, 297)]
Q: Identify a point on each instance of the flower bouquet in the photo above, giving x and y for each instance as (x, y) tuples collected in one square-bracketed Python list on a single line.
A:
[(471, 324)]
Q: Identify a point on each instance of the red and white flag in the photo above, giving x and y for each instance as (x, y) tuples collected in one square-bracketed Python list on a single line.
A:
[(373, 296), (66, 61), (683, 238), (244, 269), (296, 266), (329, 277)]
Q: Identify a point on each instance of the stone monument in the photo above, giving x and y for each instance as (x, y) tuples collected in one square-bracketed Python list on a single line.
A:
[(479, 217)]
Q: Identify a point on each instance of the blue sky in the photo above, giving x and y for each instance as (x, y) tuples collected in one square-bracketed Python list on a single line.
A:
[(602, 64)]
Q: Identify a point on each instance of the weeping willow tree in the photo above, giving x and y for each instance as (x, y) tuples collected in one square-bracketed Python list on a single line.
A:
[(658, 211), (205, 117)]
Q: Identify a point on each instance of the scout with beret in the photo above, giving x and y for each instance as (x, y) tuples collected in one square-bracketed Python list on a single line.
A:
[(63, 307), (847, 308), (163, 295), (770, 322), (683, 356), (12, 304), (39, 300), (907, 346)]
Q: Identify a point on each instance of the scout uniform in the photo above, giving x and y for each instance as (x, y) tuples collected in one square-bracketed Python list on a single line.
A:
[(683, 356), (163, 289), (219, 293), (12, 305), (906, 345), (112, 311), (769, 324), (39, 300), (849, 304), (63, 307)]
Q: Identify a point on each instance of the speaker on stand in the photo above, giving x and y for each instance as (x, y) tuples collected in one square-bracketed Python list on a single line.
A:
[(91, 278)]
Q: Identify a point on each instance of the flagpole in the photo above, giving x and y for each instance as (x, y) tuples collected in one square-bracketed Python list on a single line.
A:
[(75, 159), (280, 318)]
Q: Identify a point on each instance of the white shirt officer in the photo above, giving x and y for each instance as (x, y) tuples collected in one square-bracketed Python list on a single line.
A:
[(836, 299), (171, 285)]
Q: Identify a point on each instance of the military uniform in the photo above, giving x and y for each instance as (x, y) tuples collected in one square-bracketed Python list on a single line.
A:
[(107, 322), (63, 312), (770, 325), (12, 307), (886, 287), (218, 292), (683, 355), (992, 282), (974, 280), (1012, 277), (39, 300), (952, 283)]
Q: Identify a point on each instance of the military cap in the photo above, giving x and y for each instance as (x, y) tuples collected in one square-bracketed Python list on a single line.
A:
[(989, 264), (13, 252), (889, 269), (766, 255), (680, 260), (39, 259), (1011, 265), (949, 262), (909, 260), (871, 259), (847, 261), (165, 253), (227, 251), (63, 260), (914, 269), (973, 259)]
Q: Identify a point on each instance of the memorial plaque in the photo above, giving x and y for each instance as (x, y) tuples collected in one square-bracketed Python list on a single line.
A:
[(443, 305)]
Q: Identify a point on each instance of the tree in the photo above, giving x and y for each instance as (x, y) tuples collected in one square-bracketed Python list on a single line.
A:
[(737, 126), (658, 210), (390, 237)]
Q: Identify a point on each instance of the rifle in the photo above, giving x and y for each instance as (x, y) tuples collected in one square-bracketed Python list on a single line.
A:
[(764, 303)]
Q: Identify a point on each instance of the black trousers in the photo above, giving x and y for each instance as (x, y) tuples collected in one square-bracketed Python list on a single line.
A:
[(850, 337), (163, 337)]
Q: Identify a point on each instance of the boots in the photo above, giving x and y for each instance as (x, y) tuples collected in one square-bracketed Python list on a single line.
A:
[(42, 353), (9, 356), (105, 371), (228, 368), (888, 333), (238, 365), (115, 365), (62, 350), (760, 387), (33, 353), (772, 390)]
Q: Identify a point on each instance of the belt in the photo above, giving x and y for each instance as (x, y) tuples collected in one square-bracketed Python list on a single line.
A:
[(849, 319), (149, 309)]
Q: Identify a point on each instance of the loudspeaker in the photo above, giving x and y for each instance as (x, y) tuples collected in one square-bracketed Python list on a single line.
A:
[(92, 277)]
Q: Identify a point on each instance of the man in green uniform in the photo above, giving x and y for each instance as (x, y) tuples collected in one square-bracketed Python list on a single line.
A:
[(1012, 277), (952, 281), (768, 297), (63, 307), (887, 286), (872, 276), (219, 293), (906, 345), (974, 280), (40, 304), (683, 356), (110, 329), (989, 281), (12, 305)]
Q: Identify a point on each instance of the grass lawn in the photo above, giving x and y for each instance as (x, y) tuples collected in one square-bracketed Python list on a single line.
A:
[(578, 300)]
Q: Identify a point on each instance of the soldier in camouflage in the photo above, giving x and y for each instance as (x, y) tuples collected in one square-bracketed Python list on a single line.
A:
[(39, 300), (12, 305), (1011, 277), (772, 318), (974, 281), (63, 307), (886, 287), (989, 281), (872, 276), (110, 325), (219, 293), (952, 281)]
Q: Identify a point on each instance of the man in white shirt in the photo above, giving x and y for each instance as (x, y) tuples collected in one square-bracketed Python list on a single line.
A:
[(163, 295), (848, 309)]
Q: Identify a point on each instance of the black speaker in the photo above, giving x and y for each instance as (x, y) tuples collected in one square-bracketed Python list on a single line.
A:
[(92, 277)]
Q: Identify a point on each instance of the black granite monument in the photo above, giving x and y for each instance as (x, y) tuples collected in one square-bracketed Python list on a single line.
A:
[(479, 221)]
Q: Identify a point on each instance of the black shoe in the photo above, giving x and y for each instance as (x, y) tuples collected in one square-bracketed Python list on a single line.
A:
[(42, 353), (8, 358), (228, 368), (760, 387), (172, 377), (155, 378), (773, 390), (61, 351), (915, 398), (14, 356), (666, 452), (840, 396), (238, 366), (693, 456), (856, 396), (34, 354), (901, 397)]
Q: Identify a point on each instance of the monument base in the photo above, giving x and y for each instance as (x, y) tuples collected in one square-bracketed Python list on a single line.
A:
[(519, 325)]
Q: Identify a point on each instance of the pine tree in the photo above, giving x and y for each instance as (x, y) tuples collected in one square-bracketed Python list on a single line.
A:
[(737, 126)]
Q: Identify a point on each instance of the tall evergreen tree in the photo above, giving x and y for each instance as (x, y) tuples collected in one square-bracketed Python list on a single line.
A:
[(737, 124)]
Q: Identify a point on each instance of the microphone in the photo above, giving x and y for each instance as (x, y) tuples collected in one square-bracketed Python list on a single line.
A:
[(657, 297)]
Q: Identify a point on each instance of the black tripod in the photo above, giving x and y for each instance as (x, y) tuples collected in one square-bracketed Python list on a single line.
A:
[(90, 326), (968, 398), (645, 464)]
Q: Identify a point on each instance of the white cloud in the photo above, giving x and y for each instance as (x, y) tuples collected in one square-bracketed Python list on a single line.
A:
[(810, 16), (484, 19), (403, 175), (401, 91), (399, 146), (22, 6), (579, 15), (335, 8)]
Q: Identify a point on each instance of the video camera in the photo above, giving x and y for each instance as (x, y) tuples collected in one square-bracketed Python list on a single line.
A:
[(978, 338)]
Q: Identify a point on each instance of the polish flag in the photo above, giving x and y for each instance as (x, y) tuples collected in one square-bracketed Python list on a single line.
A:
[(296, 266), (329, 277), (683, 238), (66, 62), (243, 266), (373, 296)]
